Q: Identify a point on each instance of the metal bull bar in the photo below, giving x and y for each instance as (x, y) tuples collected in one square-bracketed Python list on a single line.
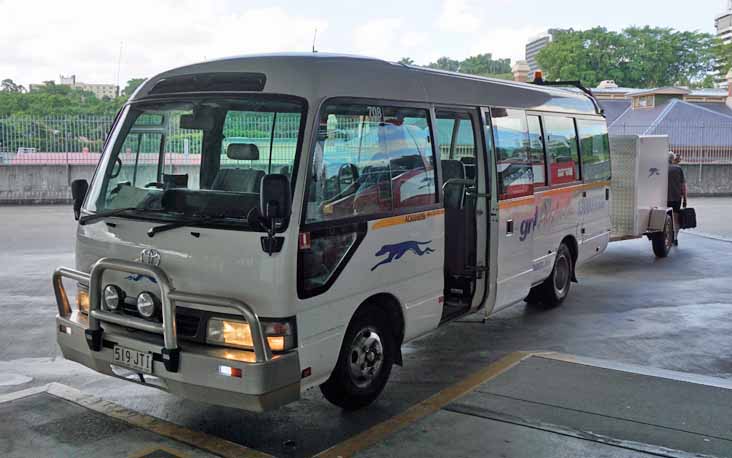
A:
[(168, 299)]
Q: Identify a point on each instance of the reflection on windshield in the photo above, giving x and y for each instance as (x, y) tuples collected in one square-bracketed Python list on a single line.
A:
[(199, 157)]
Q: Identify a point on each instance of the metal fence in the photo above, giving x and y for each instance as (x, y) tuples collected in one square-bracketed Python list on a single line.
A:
[(78, 140), (694, 142)]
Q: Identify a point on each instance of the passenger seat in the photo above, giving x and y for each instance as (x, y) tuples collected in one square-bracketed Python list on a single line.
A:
[(239, 180)]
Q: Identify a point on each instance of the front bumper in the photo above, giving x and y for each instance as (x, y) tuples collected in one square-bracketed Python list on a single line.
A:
[(266, 381)]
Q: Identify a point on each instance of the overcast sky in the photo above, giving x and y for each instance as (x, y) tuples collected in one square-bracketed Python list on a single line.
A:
[(40, 39)]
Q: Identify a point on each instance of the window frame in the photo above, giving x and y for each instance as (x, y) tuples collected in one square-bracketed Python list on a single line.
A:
[(582, 161), (345, 100), (489, 114), (540, 117), (580, 178)]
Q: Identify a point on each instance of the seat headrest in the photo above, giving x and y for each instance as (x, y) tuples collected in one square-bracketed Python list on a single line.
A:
[(452, 168), (242, 151)]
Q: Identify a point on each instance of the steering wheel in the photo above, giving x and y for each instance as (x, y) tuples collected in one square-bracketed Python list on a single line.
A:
[(155, 184)]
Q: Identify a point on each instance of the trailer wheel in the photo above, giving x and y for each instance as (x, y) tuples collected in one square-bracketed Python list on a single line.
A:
[(364, 363), (663, 241), (555, 288)]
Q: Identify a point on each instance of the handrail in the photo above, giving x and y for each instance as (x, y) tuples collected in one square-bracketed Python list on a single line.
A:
[(168, 298)]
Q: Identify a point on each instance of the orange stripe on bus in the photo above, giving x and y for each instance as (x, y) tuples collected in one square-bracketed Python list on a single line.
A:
[(404, 219), (520, 201)]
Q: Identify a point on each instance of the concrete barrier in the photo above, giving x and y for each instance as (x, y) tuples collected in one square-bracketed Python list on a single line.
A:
[(708, 179), (40, 184), (49, 184)]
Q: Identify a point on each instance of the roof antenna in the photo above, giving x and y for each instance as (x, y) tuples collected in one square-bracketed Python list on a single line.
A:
[(315, 36), (119, 63)]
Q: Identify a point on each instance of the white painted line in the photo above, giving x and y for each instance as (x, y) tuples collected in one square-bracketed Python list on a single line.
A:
[(687, 377), (15, 395)]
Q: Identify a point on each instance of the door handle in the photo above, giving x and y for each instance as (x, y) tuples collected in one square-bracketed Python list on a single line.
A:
[(509, 227)]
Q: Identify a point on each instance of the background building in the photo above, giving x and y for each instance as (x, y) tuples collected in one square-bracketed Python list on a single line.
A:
[(533, 47), (723, 24), (99, 90)]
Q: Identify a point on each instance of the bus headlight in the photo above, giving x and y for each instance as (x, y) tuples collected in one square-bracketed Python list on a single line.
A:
[(229, 332), (82, 299), (235, 333)]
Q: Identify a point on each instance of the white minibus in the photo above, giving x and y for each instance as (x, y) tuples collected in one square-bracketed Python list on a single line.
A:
[(258, 226)]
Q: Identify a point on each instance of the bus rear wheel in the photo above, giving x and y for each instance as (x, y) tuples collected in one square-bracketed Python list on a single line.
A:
[(364, 363), (552, 292)]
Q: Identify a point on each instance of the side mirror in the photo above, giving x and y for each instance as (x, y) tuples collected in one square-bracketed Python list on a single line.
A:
[(274, 198), (78, 193), (274, 206)]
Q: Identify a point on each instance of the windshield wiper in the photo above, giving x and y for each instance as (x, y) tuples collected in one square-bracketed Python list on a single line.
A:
[(186, 222), (86, 219)]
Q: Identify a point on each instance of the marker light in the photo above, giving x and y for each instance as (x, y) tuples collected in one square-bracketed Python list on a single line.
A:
[(146, 304), (230, 371), (112, 297)]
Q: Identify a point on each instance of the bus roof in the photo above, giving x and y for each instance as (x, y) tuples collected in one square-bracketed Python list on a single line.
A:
[(316, 76)]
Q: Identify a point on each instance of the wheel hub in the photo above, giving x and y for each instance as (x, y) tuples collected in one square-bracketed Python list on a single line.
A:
[(366, 357), (561, 276)]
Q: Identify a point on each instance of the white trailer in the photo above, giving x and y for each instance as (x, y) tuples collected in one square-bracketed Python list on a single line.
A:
[(639, 185)]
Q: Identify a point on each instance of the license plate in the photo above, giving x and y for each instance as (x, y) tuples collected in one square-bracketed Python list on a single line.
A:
[(138, 360)]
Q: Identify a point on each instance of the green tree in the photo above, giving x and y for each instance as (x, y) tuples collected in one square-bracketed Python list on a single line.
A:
[(445, 63), (406, 61), (635, 57), (9, 85), (132, 86), (484, 64)]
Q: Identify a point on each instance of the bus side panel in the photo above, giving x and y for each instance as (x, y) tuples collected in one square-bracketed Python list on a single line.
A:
[(595, 212), (402, 256), (515, 250), (557, 217)]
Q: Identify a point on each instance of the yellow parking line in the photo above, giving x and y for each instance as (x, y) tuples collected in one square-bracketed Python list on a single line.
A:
[(218, 446), (427, 407)]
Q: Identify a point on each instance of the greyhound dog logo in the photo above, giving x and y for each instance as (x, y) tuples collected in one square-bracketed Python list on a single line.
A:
[(397, 250), (653, 171), (138, 277)]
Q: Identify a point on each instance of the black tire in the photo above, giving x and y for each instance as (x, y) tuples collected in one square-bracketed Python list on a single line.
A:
[(555, 289), (663, 241), (364, 363)]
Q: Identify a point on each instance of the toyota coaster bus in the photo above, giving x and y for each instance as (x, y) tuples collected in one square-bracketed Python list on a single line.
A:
[(261, 225)]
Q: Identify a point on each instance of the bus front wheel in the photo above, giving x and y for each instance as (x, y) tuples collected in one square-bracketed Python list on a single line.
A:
[(364, 363)]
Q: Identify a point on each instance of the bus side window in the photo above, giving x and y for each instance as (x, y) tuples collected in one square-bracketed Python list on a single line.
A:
[(510, 130), (595, 149), (370, 160), (561, 148), (536, 150)]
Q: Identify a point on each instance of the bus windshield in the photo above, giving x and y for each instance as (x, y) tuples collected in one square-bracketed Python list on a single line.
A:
[(203, 157)]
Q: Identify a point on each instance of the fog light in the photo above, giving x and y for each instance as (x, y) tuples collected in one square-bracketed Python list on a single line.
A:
[(146, 304), (113, 296)]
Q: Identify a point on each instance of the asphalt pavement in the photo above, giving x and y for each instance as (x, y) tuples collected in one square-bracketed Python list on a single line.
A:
[(630, 307)]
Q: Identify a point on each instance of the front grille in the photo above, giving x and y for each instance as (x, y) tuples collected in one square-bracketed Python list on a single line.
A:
[(186, 325), (187, 321)]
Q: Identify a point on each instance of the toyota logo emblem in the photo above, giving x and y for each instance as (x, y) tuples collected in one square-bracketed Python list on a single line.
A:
[(150, 256)]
